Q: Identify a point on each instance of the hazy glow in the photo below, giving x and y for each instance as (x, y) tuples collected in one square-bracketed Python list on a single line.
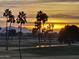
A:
[(51, 8), (53, 20), (56, 27)]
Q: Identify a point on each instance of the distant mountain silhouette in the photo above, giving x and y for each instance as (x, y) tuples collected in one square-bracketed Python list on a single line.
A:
[(24, 30)]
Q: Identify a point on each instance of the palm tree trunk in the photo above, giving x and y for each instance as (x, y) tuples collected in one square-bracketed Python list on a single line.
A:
[(20, 55), (11, 37), (39, 38), (10, 25), (6, 37)]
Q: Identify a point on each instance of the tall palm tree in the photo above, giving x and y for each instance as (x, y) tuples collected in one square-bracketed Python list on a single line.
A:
[(21, 19), (41, 19), (10, 19)]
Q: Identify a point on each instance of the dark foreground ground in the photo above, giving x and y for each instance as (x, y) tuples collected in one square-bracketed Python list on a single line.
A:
[(64, 52)]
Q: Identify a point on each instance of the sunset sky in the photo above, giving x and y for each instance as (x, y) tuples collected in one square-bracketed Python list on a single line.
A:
[(59, 11)]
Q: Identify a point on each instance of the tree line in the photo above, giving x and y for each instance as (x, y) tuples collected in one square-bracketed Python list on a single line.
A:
[(69, 34), (21, 19)]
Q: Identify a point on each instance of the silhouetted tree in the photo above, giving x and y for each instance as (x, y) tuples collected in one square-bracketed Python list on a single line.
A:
[(41, 19), (61, 36), (70, 34), (10, 19), (21, 19), (5, 14)]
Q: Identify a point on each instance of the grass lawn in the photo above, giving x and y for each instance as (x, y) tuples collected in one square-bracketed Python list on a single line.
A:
[(52, 51)]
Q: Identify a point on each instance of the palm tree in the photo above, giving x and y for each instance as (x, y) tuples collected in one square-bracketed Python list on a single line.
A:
[(41, 19), (10, 19), (21, 19)]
